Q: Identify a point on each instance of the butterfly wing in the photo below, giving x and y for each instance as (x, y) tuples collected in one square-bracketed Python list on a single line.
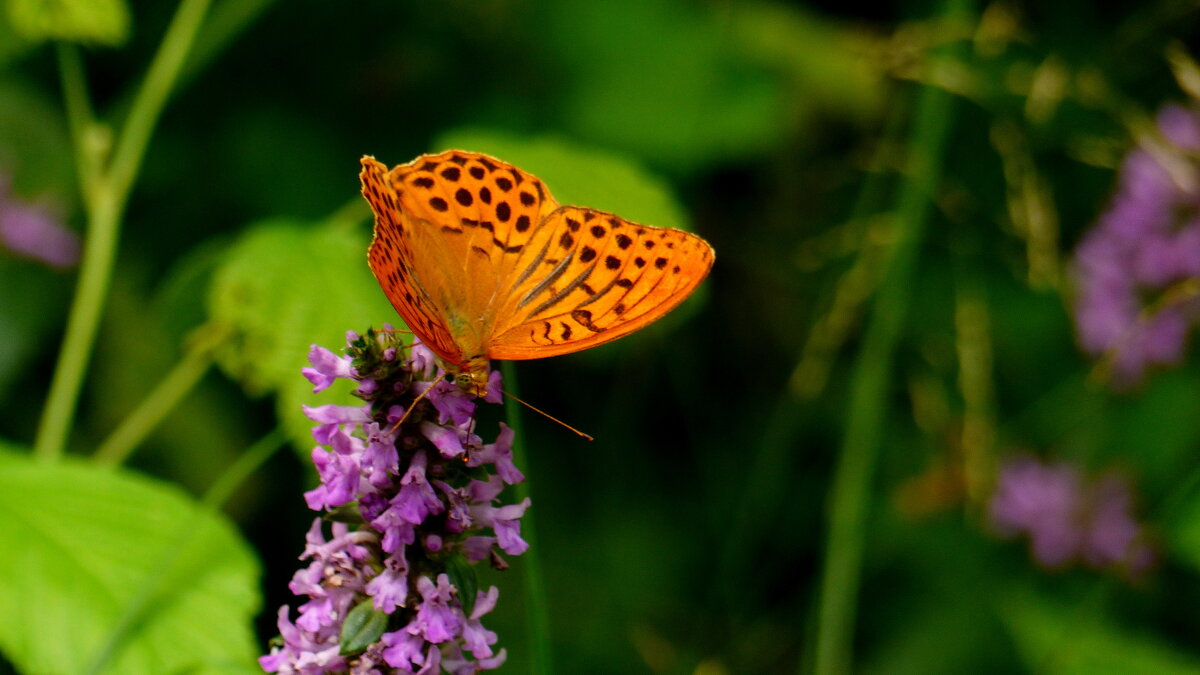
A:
[(448, 230), (586, 277)]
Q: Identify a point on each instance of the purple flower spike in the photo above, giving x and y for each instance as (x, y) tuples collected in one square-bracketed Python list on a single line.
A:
[(1068, 519), (423, 492), (1143, 248)]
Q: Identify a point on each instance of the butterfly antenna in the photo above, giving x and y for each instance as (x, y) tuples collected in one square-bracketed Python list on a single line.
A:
[(412, 407), (547, 415)]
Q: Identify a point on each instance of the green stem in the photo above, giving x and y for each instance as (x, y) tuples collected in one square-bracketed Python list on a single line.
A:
[(154, 592), (90, 292), (105, 194), (535, 587), (159, 402), (80, 119), (850, 494)]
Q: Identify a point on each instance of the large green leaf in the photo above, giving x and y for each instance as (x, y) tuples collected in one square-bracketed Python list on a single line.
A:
[(1055, 638), (283, 287), (103, 22), (661, 80), (92, 559)]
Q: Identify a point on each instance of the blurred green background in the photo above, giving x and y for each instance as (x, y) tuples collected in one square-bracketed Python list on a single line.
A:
[(799, 139)]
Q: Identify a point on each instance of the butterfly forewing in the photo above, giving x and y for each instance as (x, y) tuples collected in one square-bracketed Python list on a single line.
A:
[(460, 220), (586, 277), (392, 261)]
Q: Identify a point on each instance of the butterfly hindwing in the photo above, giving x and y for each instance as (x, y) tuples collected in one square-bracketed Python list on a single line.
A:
[(586, 277)]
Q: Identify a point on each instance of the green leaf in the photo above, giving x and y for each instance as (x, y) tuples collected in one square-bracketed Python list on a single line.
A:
[(821, 60), (462, 575), (1183, 531), (362, 627), (179, 299), (104, 22), (282, 287), (668, 89), (92, 560), (1159, 427), (1054, 638)]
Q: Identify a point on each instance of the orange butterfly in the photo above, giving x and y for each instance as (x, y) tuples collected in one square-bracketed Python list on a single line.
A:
[(482, 263)]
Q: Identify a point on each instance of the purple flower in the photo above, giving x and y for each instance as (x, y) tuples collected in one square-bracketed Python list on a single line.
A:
[(436, 619), (390, 587), (327, 367), (31, 231), (1068, 519), (1130, 267), (500, 454), (421, 491)]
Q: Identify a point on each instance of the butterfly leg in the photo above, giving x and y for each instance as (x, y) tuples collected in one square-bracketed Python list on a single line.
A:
[(413, 406)]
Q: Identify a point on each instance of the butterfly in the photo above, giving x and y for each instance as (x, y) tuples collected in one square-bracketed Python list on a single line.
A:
[(482, 263)]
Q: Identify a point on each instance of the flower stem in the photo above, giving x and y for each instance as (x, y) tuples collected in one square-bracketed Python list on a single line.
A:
[(535, 588), (850, 495), (90, 291), (160, 402), (105, 194)]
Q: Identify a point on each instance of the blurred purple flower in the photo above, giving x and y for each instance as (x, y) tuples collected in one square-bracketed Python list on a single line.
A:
[(31, 231), (1068, 519), (422, 494), (1141, 248)]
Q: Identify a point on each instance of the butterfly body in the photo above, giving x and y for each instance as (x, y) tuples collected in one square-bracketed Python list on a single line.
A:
[(483, 264)]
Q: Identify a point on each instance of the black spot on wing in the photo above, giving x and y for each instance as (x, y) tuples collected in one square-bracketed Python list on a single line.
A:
[(584, 318)]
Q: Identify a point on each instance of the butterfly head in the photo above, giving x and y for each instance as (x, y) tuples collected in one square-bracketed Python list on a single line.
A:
[(472, 376)]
